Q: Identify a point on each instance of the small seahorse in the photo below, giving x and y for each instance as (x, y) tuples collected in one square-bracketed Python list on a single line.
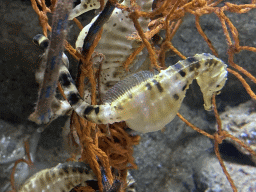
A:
[(147, 102), (66, 176), (63, 177), (115, 45)]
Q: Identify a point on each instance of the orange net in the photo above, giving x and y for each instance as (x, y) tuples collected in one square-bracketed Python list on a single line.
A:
[(114, 147)]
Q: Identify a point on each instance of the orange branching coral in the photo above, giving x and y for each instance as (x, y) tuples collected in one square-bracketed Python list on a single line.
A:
[(116, 149)]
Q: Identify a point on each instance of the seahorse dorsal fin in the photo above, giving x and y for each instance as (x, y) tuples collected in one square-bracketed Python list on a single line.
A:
[(125, 85)]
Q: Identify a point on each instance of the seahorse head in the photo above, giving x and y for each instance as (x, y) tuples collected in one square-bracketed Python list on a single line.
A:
[(212, 80)]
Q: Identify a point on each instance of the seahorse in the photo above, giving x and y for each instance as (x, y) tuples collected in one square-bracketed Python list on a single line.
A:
[(115, 46), (65, 176), (147, 101)]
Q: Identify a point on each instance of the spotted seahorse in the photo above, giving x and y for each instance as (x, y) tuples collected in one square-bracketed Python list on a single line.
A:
[(65, 176), (147, 101), (116, 47)]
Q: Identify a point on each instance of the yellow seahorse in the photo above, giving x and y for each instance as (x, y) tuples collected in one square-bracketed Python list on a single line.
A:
[(147, 102)]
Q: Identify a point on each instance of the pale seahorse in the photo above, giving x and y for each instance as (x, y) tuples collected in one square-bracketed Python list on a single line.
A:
[(65, 176), (147, 102), (115, 46)]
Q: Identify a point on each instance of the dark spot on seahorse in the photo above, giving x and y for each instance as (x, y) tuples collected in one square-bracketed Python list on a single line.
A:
[(178, 66), (123, 101), (97, 110), (115, 74), (156, 39), (218, 86), (61, 173), (111, 118), (114, 25), (47, 176), (53, 175), (213, 62), (118, 118), (184, 87), (73, 98), (74, 169), (108, 84), (122, 29), (176, 96), (65, 79), (41, 40), (191, 59), (120, 107), (88, 110), (42, 182), (65, 169), (44, 44), (85, 6), (158, 85), (182, 73), (69, 185), (81, 170), (99, 121), (130, 96), (194, 66), (149, 87)]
